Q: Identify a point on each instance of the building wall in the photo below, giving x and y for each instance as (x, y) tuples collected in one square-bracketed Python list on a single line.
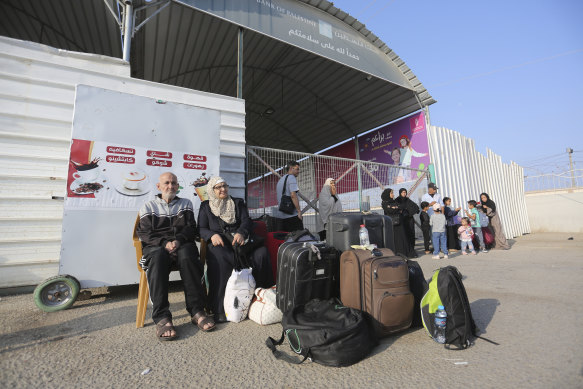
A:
[(556, 211), (463, 173), (37, 92)]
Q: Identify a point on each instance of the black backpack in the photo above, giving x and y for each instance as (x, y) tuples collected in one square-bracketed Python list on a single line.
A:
[(418, 286), (446, 288), (326, 332)]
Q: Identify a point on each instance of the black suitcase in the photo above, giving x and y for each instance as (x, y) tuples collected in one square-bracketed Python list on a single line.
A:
[(342, 230), (305, 271)]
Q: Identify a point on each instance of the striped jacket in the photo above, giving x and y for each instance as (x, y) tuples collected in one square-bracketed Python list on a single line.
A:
[(161, 222)]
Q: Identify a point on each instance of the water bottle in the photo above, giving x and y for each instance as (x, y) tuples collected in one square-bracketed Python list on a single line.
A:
[(440, 322), (363, 235)]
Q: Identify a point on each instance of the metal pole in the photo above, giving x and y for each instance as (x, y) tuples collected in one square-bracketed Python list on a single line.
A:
[(128, 28), (240, 65), (359, 173), (570, 152)]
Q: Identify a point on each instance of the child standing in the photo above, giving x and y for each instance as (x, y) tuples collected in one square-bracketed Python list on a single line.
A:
[(425, 227), (450, 213), (437, 223), (466, 234), (474, 217)]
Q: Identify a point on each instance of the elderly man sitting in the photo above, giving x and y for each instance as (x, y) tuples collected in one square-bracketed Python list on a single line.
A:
[(168, 230)]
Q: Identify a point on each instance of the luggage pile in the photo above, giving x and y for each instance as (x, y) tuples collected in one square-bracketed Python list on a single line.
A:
[(336, 301)]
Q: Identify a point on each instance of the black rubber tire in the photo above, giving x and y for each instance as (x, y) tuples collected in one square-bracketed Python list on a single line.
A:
[(56, 293)]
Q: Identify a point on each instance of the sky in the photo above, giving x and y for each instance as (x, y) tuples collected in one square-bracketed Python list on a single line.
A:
[(508, 74)]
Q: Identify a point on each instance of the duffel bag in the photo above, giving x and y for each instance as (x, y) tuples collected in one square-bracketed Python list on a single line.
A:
[(264, 310), (326, 332)]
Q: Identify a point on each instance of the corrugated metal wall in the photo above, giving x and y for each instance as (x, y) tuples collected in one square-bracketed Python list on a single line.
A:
[(463, 173), (37, 93)]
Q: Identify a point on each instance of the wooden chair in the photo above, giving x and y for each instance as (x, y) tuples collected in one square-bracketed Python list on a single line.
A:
[(143, 291)]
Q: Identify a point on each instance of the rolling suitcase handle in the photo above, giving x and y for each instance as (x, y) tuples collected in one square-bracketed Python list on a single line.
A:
[(314, 252)]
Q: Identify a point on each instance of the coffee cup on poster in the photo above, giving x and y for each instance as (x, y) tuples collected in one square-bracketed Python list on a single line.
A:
[(134, 180), (86, 176)]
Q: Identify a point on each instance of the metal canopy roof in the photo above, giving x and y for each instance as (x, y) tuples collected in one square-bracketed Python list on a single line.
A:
[(316, 101)]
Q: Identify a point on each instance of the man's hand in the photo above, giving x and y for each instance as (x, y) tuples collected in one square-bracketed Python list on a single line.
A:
[(299, 215), (216, 240), (171, 247), (238, 239), (431, 203)]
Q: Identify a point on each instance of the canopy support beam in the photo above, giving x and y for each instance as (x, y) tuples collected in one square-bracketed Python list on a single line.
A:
[(240, 64)]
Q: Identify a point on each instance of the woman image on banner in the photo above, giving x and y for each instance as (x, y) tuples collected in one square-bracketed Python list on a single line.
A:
[(407, 153)]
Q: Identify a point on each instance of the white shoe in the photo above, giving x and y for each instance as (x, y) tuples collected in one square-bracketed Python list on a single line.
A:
[(435, 257), (446, 257)]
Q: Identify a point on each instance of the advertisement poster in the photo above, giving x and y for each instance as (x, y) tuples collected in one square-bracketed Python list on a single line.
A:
[(403, 143), (104, 175), (120, 145)]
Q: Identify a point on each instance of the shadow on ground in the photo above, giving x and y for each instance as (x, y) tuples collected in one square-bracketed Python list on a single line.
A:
[(483, 311)]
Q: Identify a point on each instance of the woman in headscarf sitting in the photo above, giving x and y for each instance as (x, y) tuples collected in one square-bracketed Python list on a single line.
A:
[(489, 208), (409, 209), (328, 204), (395, 211), (222, 214)]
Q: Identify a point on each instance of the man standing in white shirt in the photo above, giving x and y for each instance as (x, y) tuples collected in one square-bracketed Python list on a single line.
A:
[(289, 221), (432, 198)]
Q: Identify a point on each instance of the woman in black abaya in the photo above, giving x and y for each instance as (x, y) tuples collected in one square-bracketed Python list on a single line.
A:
[(409, 209), (219, 215), (395, 212)]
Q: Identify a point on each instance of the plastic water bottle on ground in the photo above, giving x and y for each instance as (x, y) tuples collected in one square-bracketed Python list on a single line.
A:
[(363, 234), (440, 323)]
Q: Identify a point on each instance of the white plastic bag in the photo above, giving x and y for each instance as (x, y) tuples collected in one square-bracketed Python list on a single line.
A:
[(238, 294), (264, 310)]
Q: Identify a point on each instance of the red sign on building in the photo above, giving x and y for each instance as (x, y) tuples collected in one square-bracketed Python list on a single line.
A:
[(159, 154), (121, 150), (120, 159), (196, 166), (158, 162), (195, 158)]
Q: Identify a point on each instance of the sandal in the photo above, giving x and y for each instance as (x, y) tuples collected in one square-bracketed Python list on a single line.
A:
[(207, 320), (162, 327)]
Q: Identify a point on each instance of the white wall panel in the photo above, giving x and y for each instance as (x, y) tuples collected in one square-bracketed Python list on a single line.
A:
[(463, 173), (37, 93)]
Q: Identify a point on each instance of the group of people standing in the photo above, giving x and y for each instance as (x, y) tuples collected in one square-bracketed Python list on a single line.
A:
[(441, 224)]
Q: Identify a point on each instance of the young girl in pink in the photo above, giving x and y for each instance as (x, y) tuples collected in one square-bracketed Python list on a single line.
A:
[(466, 234)]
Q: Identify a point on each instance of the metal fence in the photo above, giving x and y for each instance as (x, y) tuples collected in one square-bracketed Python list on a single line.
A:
[(554, 181), (359, 183)]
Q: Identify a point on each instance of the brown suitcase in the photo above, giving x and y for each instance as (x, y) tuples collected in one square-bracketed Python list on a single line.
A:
[(377, 283)]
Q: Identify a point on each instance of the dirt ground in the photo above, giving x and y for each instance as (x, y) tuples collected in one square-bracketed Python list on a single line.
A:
[(526, 299)]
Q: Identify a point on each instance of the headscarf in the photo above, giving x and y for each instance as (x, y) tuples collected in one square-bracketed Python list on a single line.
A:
[(402, 199), (489, 203), (327, 184), (386, 195), (222, 208), (328, 203)]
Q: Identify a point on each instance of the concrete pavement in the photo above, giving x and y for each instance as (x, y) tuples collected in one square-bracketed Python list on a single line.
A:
[(528, 299)]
